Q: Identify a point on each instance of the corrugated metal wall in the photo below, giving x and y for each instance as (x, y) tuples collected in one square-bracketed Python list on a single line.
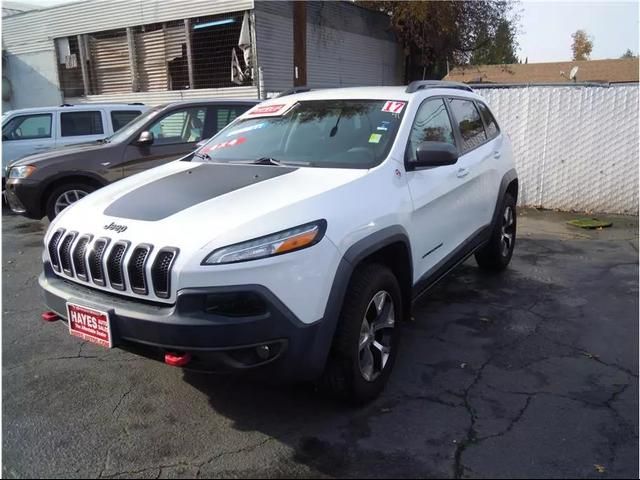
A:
[(346, 46), (110, 56), (349, 46), (35, 30), (274, 39), (576, 147)]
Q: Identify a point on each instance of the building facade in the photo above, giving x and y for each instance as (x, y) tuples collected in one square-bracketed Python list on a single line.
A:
[(153, 52)]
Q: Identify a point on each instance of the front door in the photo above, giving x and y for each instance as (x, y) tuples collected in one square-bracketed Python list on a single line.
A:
[(436, 192), (24, 135), (174, 135)]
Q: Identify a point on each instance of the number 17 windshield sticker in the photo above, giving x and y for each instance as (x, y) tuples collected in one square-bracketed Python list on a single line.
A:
[(393, 107)]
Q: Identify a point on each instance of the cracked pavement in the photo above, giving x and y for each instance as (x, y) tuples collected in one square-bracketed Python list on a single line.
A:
[(533, 373)]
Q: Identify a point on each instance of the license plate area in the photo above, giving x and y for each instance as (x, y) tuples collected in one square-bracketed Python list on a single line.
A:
[(89, 324)]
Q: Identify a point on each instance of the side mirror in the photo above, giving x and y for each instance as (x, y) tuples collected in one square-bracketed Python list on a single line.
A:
[(434, 154), (145, 138)]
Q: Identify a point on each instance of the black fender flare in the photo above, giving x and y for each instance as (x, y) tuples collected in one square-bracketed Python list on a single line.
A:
[(349, 261), (507, 178)]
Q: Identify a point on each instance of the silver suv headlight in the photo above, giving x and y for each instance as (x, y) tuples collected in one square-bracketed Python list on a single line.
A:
[(21, 172), (286, 241)]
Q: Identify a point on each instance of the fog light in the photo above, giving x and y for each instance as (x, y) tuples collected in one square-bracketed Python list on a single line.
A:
[(263, 352)]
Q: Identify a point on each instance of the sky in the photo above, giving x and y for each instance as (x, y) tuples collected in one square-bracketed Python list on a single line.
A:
[(546, 27)]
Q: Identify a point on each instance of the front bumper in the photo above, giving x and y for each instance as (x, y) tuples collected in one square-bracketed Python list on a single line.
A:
[(23, 197), (298, 351)]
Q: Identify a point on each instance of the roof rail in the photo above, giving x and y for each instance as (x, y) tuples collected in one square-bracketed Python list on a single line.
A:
[(67, 105), (136, 103), (424, 84), (293, 91)]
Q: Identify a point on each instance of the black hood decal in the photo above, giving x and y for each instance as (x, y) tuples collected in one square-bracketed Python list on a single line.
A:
[(171, 194)]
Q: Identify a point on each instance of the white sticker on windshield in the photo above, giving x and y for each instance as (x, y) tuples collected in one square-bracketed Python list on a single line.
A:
[(245, 129)]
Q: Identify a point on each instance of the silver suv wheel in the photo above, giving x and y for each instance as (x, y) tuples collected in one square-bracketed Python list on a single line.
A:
[(67, 198), (376, 332)]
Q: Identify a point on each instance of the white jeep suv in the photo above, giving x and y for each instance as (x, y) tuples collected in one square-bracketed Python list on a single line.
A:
[(296, 239)]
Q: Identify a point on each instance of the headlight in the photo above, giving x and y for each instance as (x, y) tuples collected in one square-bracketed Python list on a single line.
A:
[(21, 172), (286, 241)]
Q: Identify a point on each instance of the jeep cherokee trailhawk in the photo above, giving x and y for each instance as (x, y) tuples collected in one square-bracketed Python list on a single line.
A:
[(296, 239)]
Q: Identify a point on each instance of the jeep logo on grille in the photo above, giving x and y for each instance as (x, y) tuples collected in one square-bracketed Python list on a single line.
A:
[(115, 227)]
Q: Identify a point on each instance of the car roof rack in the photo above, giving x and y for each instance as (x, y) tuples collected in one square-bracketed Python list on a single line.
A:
[(293, 91), (67, 105), (136, 103), (425, 84)]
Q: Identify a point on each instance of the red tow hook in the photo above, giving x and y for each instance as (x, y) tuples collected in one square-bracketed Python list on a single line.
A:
[(50, 316), (177, 359)]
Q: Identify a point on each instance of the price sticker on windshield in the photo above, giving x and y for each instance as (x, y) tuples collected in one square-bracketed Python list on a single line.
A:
[(393, 107)]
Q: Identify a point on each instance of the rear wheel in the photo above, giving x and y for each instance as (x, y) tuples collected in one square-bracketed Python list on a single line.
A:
[(65, 195), (366, 341), (497, 253)]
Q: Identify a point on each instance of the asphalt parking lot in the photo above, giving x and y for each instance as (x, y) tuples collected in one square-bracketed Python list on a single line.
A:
[(533, 373)]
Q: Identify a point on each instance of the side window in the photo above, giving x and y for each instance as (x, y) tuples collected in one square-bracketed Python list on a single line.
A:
[(182, 126), (226, 115), (73, 124), (469, 123), (27, 127), (119, 118), (489, 121), (431, 124)]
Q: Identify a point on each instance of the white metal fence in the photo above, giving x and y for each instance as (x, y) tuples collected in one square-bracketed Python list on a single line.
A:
[(575, 146)]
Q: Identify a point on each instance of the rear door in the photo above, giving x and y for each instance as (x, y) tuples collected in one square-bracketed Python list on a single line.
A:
[(81, 126), (476, 183), (24, 135), (174, 135)]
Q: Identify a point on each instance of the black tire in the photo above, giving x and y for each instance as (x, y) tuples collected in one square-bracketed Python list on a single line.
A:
[(495, 255), (343, 376), (61, 190)]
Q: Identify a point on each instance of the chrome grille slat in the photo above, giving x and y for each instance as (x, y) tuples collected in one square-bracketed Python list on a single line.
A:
[(78, 257), (115, 264), (53, 249), (96, 269), (64, 253), (161, 271), (137, 269)]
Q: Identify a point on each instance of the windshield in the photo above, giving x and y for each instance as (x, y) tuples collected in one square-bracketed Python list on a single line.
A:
[(323, 133), (124, 133)]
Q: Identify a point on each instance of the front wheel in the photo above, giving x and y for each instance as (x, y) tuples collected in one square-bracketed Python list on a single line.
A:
[(66, 195), (497, 253), (366, 340)]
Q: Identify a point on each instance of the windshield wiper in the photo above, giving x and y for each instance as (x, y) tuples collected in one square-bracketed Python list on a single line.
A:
[(203, 155)]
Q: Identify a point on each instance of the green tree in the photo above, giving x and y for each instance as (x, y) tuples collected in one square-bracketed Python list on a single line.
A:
[(628, 54), (434, 33), (499, 49), (582, 45)]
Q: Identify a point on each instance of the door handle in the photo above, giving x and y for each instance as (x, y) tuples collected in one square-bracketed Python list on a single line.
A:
[(105, 164), (496, 154), (462, 172)]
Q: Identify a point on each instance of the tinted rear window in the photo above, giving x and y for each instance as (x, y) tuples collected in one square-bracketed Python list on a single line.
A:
[(73, 124), (489, 121), (119, 118), (469, 123)]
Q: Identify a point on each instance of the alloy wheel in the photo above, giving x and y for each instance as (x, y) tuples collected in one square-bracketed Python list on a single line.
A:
[(376, 334)]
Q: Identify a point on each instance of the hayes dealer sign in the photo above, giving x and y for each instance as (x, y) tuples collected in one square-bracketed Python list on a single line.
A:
[(89, 324)]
